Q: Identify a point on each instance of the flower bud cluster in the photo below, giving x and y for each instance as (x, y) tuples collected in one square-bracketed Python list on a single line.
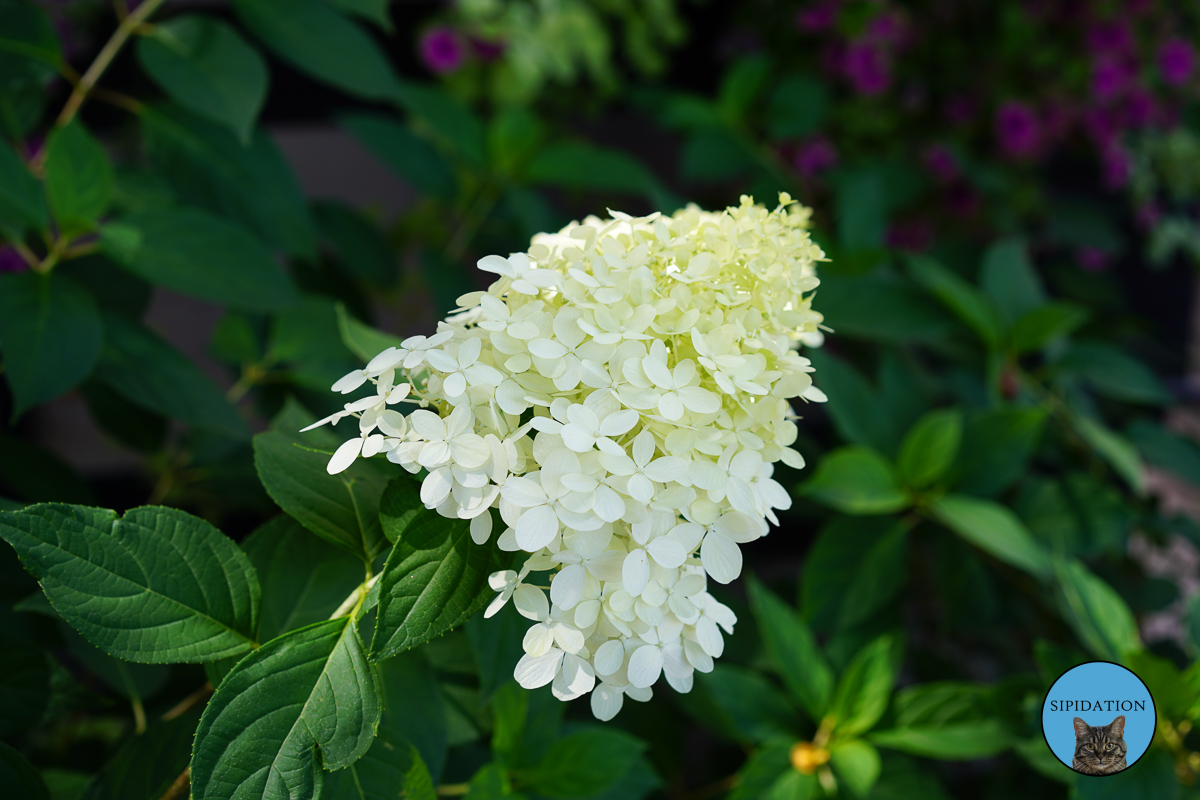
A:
[(619, 396)]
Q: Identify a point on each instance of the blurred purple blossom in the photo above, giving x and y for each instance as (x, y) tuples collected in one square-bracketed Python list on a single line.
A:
[(868, 68), (1140, 109), (11, 261), (442, 50), (1110, 38), (1176, 61), (1110, 77), (1092, 259), (887, 29), (942, 162), (1017, 129), (818, 16), (814, 157), (914, 236), (1117, 165), (1102, 125)]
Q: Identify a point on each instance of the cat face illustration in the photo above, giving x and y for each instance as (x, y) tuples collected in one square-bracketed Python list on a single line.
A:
[(1099, 749)]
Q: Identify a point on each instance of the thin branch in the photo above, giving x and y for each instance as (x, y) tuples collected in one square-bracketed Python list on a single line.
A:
[(180, 786), (187, 703), (356, 598)]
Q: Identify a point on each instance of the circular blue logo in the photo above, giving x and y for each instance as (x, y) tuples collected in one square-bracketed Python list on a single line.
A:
[(1098, 718)]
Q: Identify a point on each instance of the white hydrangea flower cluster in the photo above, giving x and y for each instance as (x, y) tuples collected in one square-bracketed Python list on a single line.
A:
[(620, 394)]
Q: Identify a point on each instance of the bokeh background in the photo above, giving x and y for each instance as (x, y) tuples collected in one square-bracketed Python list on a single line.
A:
[(968, 164)]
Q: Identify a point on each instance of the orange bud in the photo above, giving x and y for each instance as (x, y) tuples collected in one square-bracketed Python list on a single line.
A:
[(806, 757)]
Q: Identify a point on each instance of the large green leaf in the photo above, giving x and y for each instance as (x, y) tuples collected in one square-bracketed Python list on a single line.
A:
[(1113, 373), (857, 765), (847, 574), (1009, 279), (195, 253), (207, 67), (996, 447), (879, 574), (22, 206), (1045, 324), (884, 308), (797, 107), (1099, 616), (961, 741), (446, 117), (745, 705), (964, 300), (1114, 448), (854, 404), (435, 578), (994, 529), (149, 372), (861, 203), (304, 579), (155, 586), (793, 650), (317, 40), (584, 764), (357, 242), (578, 165), (249, 183), (391, 769), (79, 178), (342, 509), (361, 339), (410, 156), (856, 480), (376, 11), (415, 710), (18, 777), (930, 447), (301, 704), (50, 336), (863, 689)]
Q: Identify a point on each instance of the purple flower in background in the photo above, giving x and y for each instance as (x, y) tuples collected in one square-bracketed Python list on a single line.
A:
[(1017, 129), (816, 17), (442, 50), (1140, 109), (886, 29), (914, 236), (487, 49), (1102, 125), (1176, 61), (941, 161), (1092, 259), (11, 261), (1110, 77), (867, 68), (1117, 166), (814, 157), (1110, 38)]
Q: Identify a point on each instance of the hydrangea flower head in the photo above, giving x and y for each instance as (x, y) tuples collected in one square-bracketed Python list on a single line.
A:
[(614, 404)]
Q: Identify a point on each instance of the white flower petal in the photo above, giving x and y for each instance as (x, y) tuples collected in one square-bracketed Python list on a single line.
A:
[(606, 702), (574, 680), (635, 572), (609, 657), (566, 590), (537, 528), (645, 665), (344, 456), (532, 672), (722, 558)]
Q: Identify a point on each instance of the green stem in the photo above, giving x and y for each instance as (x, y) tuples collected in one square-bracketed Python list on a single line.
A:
[(354, 602), (113, 46), (453, 789)]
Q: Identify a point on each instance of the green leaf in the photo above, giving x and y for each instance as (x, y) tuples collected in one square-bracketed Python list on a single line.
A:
[(964, 300), (856, 764), (930, 447), (304, 340), (357, 242), (861, 209), (793, 650), (207, 67), (79, 178), (195, 253), (50, 336), (496, 643), (415, 710), (342, 509), (18, 777), (879, 574), (1174, 696), (317, 40), (584, 764), (793, 785), (408, 155), (391, 769), (155, 586), (376, 11), (797, 107), (854, 404), (747, 706), (994, 529), (741, 86), (1113, 374), (837, 561), (305, 701), (361, 339), (514, 136), (435, 578), (1166, 449), (304, 579), (578, 165), (863, 690), (248, 183), (883, 308), (856, 480), (713, 155), (446, 117), (996, 447), (1096, 612), (150, 373), (1009, 279), (22, 206), (761, 770), (1118, 451), (962, 741), (148, 763), (1045, 324)]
